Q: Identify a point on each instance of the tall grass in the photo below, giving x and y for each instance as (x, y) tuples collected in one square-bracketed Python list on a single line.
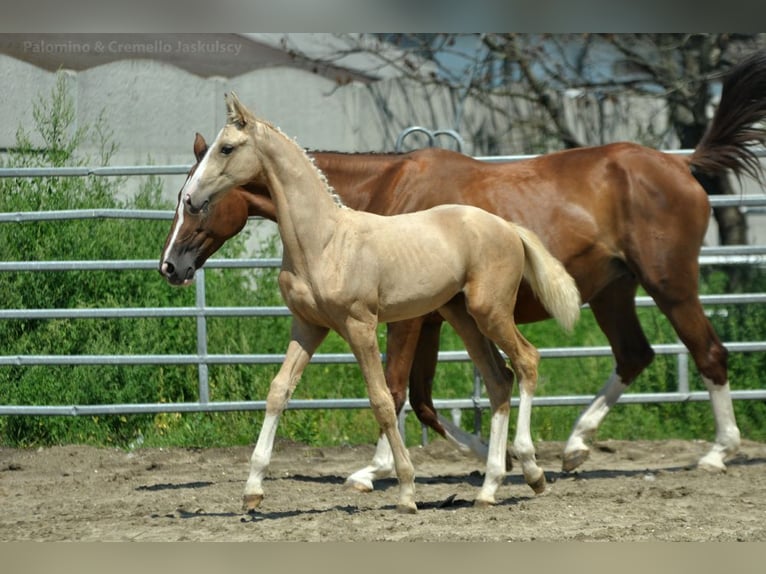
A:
[(115, 239)]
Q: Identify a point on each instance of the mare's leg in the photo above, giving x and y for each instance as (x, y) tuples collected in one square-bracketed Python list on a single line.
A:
[(426, 353), (710, 356), (402, 340), (361, 336), (304, 341), (498, 381), (421, 391), (676, 295), (615, 311), (672, 281)]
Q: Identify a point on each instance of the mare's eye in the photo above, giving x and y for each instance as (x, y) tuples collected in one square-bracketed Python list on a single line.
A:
[(227, 149)]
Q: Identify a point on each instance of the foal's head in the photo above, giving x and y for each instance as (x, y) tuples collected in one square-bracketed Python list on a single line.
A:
[(196, 234), (231, 160)]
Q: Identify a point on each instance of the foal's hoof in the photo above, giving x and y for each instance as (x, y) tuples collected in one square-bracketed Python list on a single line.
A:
[(251, 501), (357, 485), (409, 508), (574, 459), (539, 485)]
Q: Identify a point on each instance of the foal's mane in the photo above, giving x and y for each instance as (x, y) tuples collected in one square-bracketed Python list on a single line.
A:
[(336, 198)]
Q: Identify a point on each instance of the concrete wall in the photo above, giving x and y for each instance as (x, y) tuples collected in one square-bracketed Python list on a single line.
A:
[(154, 109)]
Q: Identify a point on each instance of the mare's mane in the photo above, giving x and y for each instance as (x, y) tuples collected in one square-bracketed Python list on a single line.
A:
[(382, 154)]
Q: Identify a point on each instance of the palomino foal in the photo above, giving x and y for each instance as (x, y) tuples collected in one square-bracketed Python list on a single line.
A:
[(348, 270)]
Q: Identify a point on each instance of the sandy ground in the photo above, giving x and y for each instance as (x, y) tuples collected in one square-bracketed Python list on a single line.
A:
[(626, 491)]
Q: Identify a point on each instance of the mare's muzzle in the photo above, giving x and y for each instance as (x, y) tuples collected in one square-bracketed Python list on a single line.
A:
[(193, 208), (179, 271)]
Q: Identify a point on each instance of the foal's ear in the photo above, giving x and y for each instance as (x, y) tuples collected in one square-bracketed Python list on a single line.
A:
[(236, 111), (200, 146)]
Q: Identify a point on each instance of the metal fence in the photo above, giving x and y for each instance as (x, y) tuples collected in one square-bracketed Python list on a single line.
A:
[(746, 254)]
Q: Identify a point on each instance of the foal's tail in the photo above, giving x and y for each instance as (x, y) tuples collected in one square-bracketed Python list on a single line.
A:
[(552, 284), (725, 144)]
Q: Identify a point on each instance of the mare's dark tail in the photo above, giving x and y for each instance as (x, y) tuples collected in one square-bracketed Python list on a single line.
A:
[(726, 145)]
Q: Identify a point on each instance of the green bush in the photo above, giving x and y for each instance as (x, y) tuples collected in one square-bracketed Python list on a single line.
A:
[(88, 239)]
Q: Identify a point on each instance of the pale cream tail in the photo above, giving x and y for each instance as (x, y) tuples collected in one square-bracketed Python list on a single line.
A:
[(550, 281)]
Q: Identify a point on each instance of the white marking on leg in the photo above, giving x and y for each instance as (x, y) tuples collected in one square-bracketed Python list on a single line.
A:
[(576, 450), (727, 437), (404, 471), (382, 466), (305, 339), (523, 445), (261, 457), (498, 440)]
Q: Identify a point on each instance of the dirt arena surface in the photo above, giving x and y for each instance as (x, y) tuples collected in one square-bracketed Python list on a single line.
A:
[(626, 491)]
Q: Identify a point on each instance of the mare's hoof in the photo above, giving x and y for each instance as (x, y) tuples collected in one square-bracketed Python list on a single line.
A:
[(508, 460), (410, 508), (483, 503), (251, 501), (574, 459), (357, 485), (712, 464)]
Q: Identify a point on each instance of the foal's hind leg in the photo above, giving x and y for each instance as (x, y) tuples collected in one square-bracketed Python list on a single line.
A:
[(493, 312), (498, 381), (524, 358)]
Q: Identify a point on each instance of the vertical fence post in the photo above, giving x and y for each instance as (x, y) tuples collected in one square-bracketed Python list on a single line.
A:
[(476, 402), (403, 417), (202, 370), (682, 366)]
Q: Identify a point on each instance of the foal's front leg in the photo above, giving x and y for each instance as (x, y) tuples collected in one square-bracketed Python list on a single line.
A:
[(361, 336), (402, 341), (304, 341)]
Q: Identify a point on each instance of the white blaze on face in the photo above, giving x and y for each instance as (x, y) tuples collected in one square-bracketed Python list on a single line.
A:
[(176, 227), (192, 184)]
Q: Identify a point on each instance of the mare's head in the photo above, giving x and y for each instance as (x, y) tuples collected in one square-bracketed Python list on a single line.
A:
[(198, 233)]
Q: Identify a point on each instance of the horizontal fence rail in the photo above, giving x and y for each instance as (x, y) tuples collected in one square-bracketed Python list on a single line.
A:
[(719, 255)]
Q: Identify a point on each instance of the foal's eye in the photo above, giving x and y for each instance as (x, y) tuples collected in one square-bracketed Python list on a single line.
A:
[(227, 149)]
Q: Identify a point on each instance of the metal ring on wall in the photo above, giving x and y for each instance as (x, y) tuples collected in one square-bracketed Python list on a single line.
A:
[(430, 134)]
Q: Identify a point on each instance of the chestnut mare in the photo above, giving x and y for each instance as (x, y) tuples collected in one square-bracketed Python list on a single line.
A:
[(348, 270), (618, 216)]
